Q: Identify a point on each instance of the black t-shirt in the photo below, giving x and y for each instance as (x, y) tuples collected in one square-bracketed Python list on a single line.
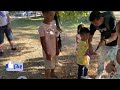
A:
[(104, 31)]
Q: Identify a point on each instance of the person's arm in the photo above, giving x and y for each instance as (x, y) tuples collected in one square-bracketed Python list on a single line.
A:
[(8, 17), (90, 42), (43, 43), (112, 25), (8, 20), (44, 46), (112, 38), (92, 31)]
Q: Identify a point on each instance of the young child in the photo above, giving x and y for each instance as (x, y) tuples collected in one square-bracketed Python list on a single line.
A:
[(47, 32), (78, 39), (82, 56), (115, 56)]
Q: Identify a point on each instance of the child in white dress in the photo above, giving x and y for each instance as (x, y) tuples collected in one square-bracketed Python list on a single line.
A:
[(115, 56)]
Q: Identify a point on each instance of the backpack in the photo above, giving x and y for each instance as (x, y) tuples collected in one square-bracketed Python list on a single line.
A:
[(107, 16)]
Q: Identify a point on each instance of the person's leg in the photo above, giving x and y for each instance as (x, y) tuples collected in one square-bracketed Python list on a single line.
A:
[(47, 69), (1, 40), (50, 66), (80, 71), (47, 74), (53, 73), (85, 73), (85, 70), (53, 66), (9, 36)]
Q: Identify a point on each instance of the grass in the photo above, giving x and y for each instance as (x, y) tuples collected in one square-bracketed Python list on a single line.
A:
[(71, 23), (26, 22), (29, 50)]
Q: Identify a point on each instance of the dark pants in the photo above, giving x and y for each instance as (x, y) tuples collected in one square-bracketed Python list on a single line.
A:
[(7, 32), (82, 71)]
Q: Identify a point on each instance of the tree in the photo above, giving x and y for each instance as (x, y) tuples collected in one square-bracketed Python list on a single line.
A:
[(72, 14)]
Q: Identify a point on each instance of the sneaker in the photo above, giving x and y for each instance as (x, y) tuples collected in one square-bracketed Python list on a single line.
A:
[(86, 77), (13, 48), (1, 53)]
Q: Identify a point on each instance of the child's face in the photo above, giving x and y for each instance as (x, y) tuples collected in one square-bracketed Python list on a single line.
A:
[(85, 36), (49, 16)]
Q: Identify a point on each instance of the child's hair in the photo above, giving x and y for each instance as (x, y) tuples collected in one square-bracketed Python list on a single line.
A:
[(79, 27), (84, 30), (57, 18), (118, 26)]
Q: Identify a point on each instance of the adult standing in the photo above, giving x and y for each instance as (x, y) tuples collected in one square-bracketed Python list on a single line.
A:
[(108, 36), (5, 28)]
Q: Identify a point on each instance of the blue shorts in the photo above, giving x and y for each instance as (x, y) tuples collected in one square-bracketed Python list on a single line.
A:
[(7, 32)]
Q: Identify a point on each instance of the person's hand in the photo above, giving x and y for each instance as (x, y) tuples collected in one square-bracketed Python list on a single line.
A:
[(8, 26), (102, 43), (48, 57), (93, 53), (110, 68), (57, 52)]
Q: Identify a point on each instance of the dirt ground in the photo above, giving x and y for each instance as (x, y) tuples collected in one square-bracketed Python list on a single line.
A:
[(30, 53)]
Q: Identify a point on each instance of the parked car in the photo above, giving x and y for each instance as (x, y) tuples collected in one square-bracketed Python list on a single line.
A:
[(24, 13), (21, 14), (40, 13), (29, 13)]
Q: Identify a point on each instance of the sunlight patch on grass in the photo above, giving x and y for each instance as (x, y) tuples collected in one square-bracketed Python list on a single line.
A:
[(36, 67), (37, 19)]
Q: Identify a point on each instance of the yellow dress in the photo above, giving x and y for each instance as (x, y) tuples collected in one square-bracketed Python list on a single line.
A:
[(82, 47)]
